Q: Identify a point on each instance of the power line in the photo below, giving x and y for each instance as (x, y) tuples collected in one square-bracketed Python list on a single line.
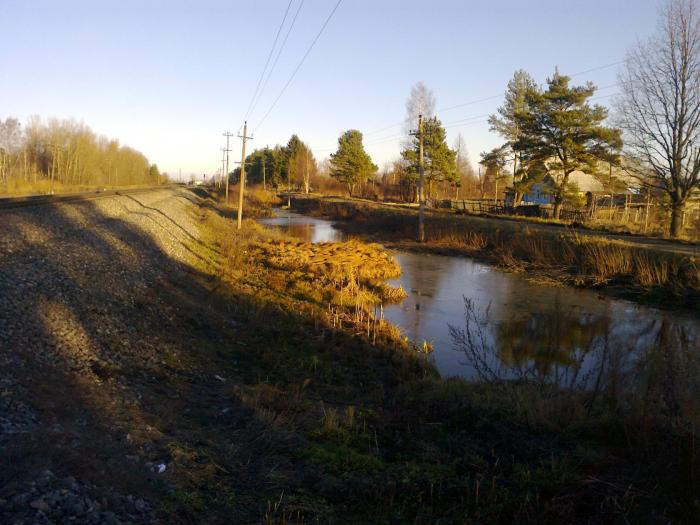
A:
[(493, 97), (598, 68), (313, 43), (277, 57), (269, 56)]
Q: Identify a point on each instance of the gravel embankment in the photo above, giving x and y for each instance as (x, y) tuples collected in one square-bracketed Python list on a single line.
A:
[(80, 309)]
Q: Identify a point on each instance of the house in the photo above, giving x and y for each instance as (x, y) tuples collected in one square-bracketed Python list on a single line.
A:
[(579, 183)]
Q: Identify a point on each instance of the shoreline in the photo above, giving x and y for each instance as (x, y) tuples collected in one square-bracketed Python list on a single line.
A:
[(598, 271)]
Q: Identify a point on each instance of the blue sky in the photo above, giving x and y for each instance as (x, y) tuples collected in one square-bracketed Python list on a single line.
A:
[(168, 78)]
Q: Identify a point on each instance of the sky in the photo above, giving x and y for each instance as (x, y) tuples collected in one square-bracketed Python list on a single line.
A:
[(170, 77)]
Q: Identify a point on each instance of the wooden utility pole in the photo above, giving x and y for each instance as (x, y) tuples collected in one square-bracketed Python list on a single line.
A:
[(263, 170), (421, 171), (223, 165), (228, 135), (241, 183)]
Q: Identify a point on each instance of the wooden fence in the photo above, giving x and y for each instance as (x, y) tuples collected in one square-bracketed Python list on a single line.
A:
[(499, 207)]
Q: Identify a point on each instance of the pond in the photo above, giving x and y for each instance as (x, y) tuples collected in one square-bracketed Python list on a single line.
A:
[(485, 324)]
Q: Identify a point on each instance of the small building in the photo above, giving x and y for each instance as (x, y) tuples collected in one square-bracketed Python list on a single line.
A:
[(579, 182)]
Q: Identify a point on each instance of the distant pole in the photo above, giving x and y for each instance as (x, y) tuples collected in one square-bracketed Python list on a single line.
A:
[(223, 165), (646, 214), (263, 170), (421, 172), (241, 184), (228, 135)]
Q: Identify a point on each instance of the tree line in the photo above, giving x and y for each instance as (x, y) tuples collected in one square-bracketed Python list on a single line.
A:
[(549, 132), (47, 156), (283, 167), (652, 138)]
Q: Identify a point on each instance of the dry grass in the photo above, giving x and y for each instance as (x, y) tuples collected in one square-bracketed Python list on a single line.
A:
[(336, 261)]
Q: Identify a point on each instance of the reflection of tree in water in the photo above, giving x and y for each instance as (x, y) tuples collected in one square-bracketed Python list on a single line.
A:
[(669, 372), (547, 340), (547, 346), (651, 363)]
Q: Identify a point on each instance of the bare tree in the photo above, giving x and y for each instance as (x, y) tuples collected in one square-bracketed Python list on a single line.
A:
[(465, 173), (659, 109), (421, 101)]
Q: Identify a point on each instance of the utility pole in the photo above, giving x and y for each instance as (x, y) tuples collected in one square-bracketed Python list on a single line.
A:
[(264, 161), (241, 184), (224, 179), (228, 135), (421, 171)]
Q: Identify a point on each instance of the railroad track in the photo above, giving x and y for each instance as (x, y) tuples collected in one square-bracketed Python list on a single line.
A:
[(39, 200)]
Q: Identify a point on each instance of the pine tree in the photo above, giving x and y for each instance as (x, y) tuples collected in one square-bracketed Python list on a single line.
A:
[(350, 164), (439, 160), (563, 132), (495, 162), (507, 123)]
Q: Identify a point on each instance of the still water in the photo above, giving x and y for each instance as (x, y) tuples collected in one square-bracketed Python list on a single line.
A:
[(513, 328)]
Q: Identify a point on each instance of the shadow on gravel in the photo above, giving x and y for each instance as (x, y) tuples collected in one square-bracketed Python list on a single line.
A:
[(127, 363)]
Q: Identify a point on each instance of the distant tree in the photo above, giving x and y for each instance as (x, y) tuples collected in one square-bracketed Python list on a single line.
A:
[(421, 101), (466, 178), (153, 173), (508, 120), (291, 166), (659, 109), (439, 160), (261, 164), (301, 164), (563, 132), (494, 162), (48, 155), (350, 164)]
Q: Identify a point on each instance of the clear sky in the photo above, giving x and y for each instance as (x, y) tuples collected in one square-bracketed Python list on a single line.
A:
[(169, 77)]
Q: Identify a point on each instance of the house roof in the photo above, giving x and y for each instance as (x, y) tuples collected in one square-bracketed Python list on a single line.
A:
[(585, 182)]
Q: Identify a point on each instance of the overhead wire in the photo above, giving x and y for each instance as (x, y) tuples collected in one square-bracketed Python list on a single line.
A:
[(277, 57), (267, 62), (493, 97), (301, 62)]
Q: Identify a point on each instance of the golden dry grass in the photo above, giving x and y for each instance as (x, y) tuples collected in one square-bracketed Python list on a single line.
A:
[(337, 261)]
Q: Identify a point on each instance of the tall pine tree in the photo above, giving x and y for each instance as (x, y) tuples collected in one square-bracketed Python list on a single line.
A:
[(507, 123), (350, 164), (563, 132), (439, 160)]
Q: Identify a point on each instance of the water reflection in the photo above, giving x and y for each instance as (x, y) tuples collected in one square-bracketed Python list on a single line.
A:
[(306, 228), (565, 346), (655, 357)]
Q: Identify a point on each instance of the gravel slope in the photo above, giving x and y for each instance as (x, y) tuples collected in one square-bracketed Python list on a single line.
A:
[(80, 307)]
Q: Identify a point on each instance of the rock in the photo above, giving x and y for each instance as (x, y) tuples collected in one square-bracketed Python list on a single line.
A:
[(39, 504)]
